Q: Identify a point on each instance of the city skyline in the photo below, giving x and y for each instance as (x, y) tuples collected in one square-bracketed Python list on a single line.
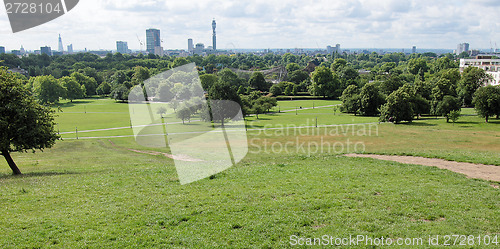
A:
[(264, 24)]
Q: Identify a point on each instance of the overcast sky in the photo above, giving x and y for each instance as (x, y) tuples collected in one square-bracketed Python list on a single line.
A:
[(98, 24)]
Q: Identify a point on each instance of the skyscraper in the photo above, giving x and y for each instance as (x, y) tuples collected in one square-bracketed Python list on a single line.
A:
[(462, 47), (46, 50), (61, 49), (190, 45), (2, 50), (214, 36), (414, 50), (122, 47), (152, 40), (70, 48)]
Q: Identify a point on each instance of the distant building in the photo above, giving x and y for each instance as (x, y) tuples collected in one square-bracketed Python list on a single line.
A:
[(331, 50), (190, 45), (199, 49), (46, 50), (16, 52), (70, 48), (152, 40), (60, 47), (2, 50), (491, 66), (158, 51), (462, 47), (414, 50), (214, 36), (22, 50), (122, 47)]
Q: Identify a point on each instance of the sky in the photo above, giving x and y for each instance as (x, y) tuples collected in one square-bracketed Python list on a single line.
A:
[(98, 24)]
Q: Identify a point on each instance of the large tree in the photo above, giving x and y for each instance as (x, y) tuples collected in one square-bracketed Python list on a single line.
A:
[(258, 82), (487, 101), (24, 123), (73, 89), (472, 79), (325, 83), (222, 110), (350, 99), (371, 100), (47, 89), (398, 107)]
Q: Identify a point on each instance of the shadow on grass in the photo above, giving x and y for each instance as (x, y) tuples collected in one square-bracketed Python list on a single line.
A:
[(417, 124), (35, 174), (74, 103)]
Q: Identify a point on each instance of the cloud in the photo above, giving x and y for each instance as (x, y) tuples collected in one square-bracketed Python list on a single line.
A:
[(262, 23)]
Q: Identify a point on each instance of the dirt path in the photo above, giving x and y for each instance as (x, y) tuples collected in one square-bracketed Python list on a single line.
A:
[(479, 171), (156, 153)]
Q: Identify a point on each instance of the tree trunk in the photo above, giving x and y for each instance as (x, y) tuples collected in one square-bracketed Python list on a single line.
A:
[(11, 162), (486, 118)]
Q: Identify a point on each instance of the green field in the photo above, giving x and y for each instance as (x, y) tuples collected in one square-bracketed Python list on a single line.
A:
[(95, 193)]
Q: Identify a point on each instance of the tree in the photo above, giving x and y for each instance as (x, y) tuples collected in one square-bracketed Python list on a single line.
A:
[(89, 83), (338, 64), (350, 99), (164, 94), (418, 66), (104, 89), (223, 91), (184, 113), (487, 101), (371, 100), (73, 89), (298, 76), (120, 93), (454, 116), (161, 110), (324, 82), (291, 67), (276, 90), (398, 107), (24, 123), (257, 81), (47, 89), (207, 80), (447, 105), (472, 79)]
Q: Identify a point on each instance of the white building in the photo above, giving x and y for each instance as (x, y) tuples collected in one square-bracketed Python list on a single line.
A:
[(491, 66)]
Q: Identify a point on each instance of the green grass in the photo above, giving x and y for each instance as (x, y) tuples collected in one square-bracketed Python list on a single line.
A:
[(90, 194)]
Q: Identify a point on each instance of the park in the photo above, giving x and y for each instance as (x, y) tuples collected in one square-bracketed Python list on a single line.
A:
[(330, 152)]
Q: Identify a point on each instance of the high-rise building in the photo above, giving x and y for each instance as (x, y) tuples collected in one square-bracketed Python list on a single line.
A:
[(214, 36), (46, 50), (190, 45), (462, 47), (60, 48), (2, 50), (200, 47), (122, 47), (331, 50), (414, 49), (22, 50), (152, 40), (70, 48)]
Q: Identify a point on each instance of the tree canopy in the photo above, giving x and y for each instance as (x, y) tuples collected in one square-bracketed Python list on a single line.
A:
[(24, 123)]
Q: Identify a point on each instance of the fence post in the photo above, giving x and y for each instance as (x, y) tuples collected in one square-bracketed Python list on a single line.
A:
[(76, 129)]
